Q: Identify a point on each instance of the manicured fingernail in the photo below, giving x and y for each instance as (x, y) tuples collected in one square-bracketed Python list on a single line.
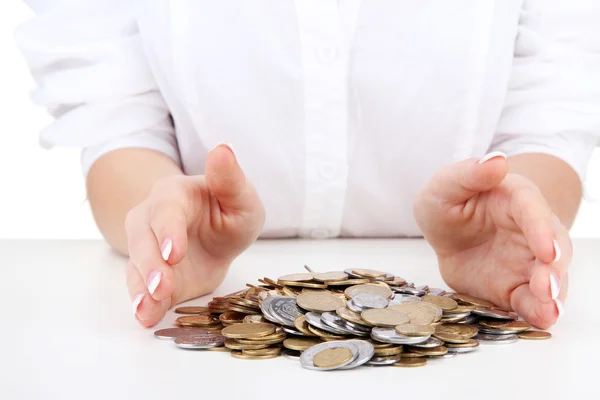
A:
[(557, 252), (136, 302), (559, 307), (229, 145), (166, 248), (554, 286), (154, 281), (491, 155)]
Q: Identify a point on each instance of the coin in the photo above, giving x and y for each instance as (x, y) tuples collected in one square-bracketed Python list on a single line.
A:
[(235, 345), (485, 338), (389, 335), (200, 341), (248, 331), (383, 360), (397, 281), (385, 317), (324, 334), (418, 315), (241, 355), (262, 352), (369, 273), (334, 321), (300, 284), (351, 316), (301, 344), (514, 326), (470, 343), (347, 282), (302, 326), (495, 313), (231, 317), (365, 352), (467, 331), (429, 343), (319, 302), (302, 277), (197, 320), (254, 319), (330, 276), (465, 298), (365, 301), (306, 359), (411, 362), (191, 310), (291, 354), (173, 333), (400, 298), (445, 303), (432, 351), (414, 330), (284, 309), (534, 335), (389, 351), (333, 358), (451, 337), (314, 320), (382, 290)]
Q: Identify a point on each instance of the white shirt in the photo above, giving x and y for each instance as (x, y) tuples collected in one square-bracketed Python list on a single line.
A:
[(339, 110)]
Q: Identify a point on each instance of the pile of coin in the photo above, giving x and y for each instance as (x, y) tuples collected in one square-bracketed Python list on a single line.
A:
[(345, 319)]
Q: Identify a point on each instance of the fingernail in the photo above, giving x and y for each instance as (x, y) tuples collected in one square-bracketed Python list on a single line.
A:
[(491, 155), (559, 307), (136, 302), (228, 145), (557, 252), (166, 248), (154, 281), (554, 286)]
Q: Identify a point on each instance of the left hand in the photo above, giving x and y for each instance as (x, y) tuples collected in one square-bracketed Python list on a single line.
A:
[(496, 238)]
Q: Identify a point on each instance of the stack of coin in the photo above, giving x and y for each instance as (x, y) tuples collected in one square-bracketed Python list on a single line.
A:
[(345, 319)]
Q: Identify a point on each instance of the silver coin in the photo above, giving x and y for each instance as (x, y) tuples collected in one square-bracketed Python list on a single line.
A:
[(498, 314), (436, 292), (200, 342), (365, 353), (335, 321), (456, 316), (486, 338), (314, 319), (265, 307), (429, 343), (174, 333), (447, 355), (409, 290), (291, 354), (285, 309), (368, 301), (470, 319), (423, 288), (389, 335), (400, 298), (293, 331), (353, 307), (388, 277), (306, 359), (462, 350), (492, 331), (386, 360)]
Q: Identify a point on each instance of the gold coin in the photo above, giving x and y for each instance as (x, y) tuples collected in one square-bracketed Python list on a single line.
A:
[(248, 331), (301, 324), (235, 345), (302, 277), (300, 343), (411, 354), (198, 320), (451, 337), (270, 282), (262, 352), (191, 310), (254, 319), (384, 317), (244, 302), (288, 291), (241, 355), (243, 310), (219, 349), (465, 330), (460, 309), (231, 317), (348, 282), (465, 298), (369, 273), (414, 330), (312, 285), (330, 276), (411, 362), (379, 345), (433, 351), (515, 326), (319, 302), (331, 358), (418, 315), (271, 339), (445, 303), (324, 335), (397, 281), (351, 316), (437, 310), (534, 335), (389, 351), (377, 289), (470, 343)]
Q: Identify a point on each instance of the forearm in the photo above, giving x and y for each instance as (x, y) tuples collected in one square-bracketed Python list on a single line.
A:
[(120, 180), (558, 182)]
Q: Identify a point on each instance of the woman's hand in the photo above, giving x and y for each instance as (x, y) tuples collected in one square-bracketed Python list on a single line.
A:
[(496, 238), (184, 236)]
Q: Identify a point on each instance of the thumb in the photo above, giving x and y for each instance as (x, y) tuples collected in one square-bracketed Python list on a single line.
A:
[(459, 182), (226, 180)]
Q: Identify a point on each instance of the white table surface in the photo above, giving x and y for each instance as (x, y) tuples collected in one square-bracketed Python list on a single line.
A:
[(67, 332)]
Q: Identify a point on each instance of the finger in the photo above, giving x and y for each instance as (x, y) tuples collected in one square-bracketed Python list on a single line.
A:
[(147, 310), (144, 252), (459, 182), (549, 280), (226, 180), (542, 315)]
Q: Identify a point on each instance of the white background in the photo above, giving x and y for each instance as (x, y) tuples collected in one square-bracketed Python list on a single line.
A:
[(42, 193)]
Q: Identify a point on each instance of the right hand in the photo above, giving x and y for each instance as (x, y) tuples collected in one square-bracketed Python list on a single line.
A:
[(185, 234)]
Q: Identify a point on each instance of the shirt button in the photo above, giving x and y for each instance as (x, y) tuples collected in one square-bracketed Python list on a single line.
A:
[(329, 170), (320, 233), (327, 54)]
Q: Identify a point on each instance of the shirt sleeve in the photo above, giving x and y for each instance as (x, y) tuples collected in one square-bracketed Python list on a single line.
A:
[(93, 77), (553, 100)]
